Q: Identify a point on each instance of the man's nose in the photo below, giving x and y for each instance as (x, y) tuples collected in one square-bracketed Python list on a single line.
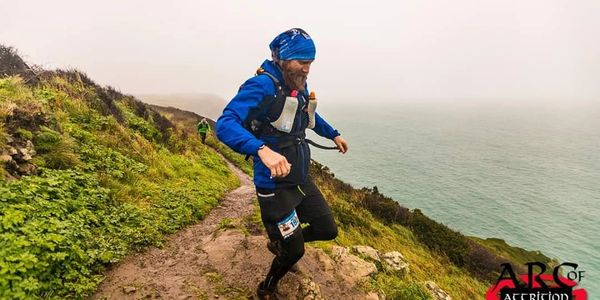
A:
[(306, 68)]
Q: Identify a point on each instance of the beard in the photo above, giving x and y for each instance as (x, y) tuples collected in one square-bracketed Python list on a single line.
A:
[(295, 80)]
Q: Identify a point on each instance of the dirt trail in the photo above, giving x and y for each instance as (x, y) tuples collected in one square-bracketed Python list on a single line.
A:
[(210, 261)]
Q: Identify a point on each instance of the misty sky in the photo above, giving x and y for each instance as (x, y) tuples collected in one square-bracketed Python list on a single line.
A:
[(498, 49)]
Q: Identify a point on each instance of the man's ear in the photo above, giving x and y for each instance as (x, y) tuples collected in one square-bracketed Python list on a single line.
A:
[(279, 63)]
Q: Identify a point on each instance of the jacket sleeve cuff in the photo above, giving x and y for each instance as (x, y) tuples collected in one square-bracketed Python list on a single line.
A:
[(254, 145), (335, 134)]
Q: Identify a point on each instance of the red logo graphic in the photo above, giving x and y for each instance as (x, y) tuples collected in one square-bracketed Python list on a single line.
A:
[(537, 286)]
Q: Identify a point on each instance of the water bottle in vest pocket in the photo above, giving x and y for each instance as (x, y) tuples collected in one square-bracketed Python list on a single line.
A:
[(285, 122)]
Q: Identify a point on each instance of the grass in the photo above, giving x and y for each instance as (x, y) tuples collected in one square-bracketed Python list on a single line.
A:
[(237, 159), (516, 254), (113, 180), (187, 121), (222, 288), (358, 227)]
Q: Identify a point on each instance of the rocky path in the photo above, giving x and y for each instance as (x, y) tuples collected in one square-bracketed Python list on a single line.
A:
[(223, 257)]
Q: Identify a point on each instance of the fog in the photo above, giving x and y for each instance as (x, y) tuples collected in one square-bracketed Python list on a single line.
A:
[(366, 51)]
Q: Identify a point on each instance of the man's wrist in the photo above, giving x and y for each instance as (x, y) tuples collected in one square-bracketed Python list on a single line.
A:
[(261, 147)]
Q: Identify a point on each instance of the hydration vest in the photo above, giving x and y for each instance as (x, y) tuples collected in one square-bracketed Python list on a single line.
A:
[(259, 119), (291, 145)]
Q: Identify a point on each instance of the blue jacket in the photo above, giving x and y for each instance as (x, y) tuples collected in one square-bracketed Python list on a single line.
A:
[(230, 130)]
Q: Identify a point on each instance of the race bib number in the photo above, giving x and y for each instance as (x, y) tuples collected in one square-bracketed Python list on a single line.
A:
[(289, 224)]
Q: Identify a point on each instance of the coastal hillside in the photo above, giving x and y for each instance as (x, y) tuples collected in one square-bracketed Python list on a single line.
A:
[(212, 105), (95, 183)]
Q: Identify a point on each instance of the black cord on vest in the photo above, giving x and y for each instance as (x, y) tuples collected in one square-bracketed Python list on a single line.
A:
[(320, 146)]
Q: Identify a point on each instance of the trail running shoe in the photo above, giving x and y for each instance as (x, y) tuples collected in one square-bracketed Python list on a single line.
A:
[(265, 294)]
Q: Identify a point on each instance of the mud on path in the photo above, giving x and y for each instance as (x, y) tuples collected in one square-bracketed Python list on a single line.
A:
[(219, 258)]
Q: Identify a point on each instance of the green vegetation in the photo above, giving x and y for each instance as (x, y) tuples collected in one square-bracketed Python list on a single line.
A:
[(24, 134), (237, 159), (456, 263), (188, 121), (222, 288), (516, 254), (398, 289), (113, 177)]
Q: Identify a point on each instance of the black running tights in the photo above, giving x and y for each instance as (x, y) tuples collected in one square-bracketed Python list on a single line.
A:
[(320, 229)]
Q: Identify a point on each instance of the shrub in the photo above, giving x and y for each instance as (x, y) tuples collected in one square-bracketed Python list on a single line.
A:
[(483, 263), (11, 64), (24, 134), (139, 123), (388, 210), (56, 151), (439, 237), (55, 230), (347, 215), (46, 140)]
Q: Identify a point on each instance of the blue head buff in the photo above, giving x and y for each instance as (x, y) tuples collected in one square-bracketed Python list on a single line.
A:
[(293, 44)]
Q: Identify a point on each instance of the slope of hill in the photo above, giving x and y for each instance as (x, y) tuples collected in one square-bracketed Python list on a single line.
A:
[(89, 175), (187, 121), (209, 105)]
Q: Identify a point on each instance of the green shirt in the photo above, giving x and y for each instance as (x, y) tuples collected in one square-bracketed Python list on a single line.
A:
[(203, 127)]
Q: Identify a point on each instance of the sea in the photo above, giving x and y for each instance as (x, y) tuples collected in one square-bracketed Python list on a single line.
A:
[(527, 172)]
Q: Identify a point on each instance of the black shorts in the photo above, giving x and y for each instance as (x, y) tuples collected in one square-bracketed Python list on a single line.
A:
[(283, 209)]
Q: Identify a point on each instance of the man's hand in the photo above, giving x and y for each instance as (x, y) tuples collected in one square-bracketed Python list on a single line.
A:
[(341, 143), (276, 162)]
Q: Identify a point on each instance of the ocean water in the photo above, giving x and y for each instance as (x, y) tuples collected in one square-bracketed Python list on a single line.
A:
[(528, 173)]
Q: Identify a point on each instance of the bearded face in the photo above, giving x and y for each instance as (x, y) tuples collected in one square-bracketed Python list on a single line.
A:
[(295, 73)]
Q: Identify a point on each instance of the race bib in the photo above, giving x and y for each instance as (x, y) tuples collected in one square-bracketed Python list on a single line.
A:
[(289, 224)]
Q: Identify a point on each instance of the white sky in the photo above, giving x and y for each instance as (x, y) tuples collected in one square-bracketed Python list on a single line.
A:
[(367, 50)]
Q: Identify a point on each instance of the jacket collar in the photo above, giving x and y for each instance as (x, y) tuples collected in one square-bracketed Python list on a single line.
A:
[(272, 68)]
